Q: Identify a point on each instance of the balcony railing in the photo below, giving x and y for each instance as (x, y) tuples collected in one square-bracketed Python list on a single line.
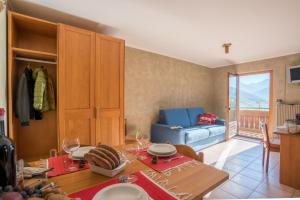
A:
[(249, 122)]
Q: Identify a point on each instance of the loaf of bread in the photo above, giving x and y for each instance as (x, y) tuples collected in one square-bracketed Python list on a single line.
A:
[(103, 156), (111, 149)]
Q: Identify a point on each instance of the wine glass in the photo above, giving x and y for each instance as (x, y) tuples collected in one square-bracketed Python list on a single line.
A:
[(139, 136), (70, 145)]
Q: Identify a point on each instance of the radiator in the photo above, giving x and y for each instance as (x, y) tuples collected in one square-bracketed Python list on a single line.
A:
[(286, 111)]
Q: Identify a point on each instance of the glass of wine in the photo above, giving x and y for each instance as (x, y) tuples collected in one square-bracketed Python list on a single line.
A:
[(139, 136), (70, 145)]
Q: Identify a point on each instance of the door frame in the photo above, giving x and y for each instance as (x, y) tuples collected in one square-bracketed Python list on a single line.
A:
[(227, 103), (270, 121)]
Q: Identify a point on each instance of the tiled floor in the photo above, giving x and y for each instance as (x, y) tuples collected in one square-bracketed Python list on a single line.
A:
[(242, 159)]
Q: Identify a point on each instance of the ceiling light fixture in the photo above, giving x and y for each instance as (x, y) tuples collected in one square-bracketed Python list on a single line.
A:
[(226, 47)]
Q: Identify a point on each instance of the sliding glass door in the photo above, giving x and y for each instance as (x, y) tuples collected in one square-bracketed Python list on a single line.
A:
[(249, 103)]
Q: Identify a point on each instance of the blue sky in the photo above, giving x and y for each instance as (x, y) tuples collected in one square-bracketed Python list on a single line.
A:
[(254, 78)]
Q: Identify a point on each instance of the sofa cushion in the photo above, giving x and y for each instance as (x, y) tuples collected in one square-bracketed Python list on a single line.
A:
[(207, 118), (193, 114), (176, 116), (195, 135), (215, 130)]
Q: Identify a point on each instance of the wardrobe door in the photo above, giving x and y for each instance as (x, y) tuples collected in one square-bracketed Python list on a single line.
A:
[(76, 84), (109, 91)]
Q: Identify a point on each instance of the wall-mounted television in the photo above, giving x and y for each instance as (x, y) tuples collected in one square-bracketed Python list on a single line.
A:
[(293, 74)]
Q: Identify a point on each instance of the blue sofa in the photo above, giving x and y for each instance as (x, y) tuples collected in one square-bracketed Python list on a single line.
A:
[(189, 133)]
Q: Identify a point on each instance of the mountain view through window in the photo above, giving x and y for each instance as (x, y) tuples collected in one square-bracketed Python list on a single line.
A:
[(254, 92)]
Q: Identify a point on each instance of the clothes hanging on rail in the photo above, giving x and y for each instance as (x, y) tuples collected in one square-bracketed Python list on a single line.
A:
[(22, 102), (45, 102), (51, 93), (34, 114), (35, 94), (40, 103), (30, 86)]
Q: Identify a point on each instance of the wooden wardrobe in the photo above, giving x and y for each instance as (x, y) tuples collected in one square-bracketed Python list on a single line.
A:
[(88, 71)]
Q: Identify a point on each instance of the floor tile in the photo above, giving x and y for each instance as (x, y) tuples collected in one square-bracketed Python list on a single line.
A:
[(256, 167), (232, 148), (240, 162), (274, 172), (274, 157), (231, 173), (253, 174), (233, 167), (244, 157), (247, 177), (274, 181), (219, 194), (260, 168), (257, 195), (271, 191), (236, 189), (251, 154), (296, 194), (258, 161), (246, 181), (273, 164)]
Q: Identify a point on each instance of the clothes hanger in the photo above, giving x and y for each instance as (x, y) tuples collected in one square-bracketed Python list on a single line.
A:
[(28, 66)]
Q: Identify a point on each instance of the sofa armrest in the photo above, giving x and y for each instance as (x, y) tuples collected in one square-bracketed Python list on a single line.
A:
[(221, 122), (161, 133)]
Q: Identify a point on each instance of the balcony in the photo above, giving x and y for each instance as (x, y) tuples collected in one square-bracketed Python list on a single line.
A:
[(249, 122)]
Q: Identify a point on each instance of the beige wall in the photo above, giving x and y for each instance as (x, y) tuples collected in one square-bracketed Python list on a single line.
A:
[(281, 88), (153, 81), (3, 59)]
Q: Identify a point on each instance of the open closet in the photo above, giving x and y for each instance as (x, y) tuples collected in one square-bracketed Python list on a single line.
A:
[(32, 44), (87, 74)]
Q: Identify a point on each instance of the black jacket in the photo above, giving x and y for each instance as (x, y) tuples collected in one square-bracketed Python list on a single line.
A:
[(30, 86), (22, 103), (24, 98)]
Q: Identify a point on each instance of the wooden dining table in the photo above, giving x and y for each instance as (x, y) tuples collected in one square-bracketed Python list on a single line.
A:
[(197, 180)]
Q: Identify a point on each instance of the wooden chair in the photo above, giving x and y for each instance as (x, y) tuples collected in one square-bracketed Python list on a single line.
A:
[(268, 145), (188, 151)]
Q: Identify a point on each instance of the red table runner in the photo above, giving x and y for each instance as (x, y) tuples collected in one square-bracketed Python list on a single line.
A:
[(161, 165), (153, 190), (57, 163)]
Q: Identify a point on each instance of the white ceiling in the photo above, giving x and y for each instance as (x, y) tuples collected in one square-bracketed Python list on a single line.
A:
[(192, 30)]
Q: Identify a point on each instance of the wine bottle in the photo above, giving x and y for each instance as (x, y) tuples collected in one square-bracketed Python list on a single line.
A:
[(7, 157)]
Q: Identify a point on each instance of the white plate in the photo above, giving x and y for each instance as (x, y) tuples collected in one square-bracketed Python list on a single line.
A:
[(79, 154), (161, 155), (162, 149), (124, 191)]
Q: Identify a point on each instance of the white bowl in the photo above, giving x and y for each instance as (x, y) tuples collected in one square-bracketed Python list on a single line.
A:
[(107, 172)]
